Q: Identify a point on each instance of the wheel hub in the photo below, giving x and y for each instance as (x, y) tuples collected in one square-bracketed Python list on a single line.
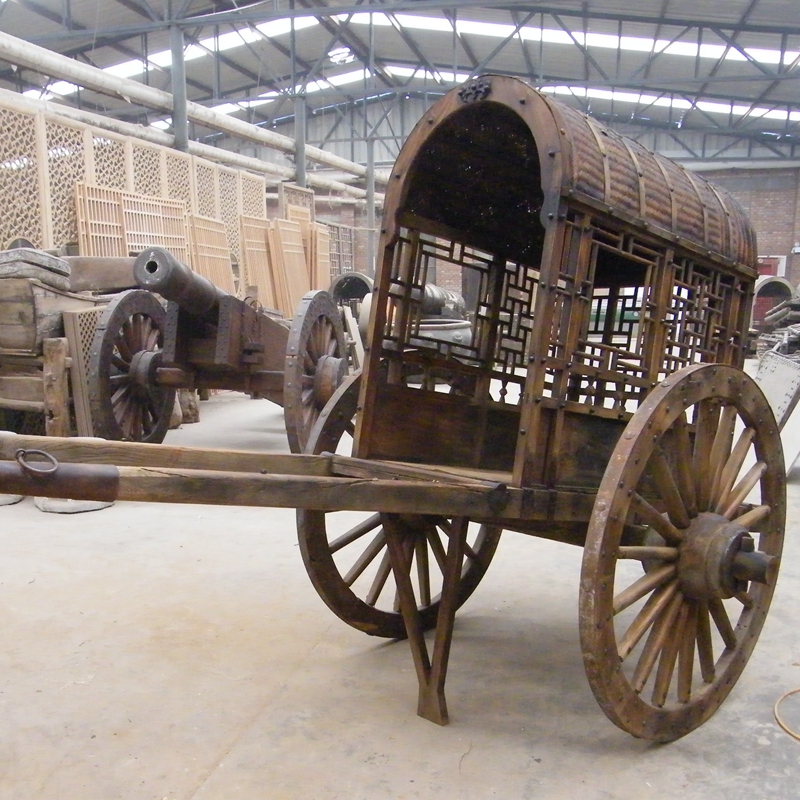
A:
[(717, 558), (328, 376), (142, 373)]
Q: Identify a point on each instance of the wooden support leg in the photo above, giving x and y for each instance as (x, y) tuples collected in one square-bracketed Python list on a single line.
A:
[(431, 673), (56, 388)]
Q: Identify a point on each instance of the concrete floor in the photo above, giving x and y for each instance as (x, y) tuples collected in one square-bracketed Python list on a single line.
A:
[(181, 652)]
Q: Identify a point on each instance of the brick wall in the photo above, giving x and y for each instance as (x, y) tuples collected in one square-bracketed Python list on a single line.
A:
[(771, 198)]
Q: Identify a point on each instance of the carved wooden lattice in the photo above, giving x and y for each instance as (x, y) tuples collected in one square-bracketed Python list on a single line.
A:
[(342, 249), (155, 221), (101, 229), (254, 195), (109, 161), (291, 195), (178, 172), (206, 189), (19, 179), (146, 170), (229, 208), (66, 163)]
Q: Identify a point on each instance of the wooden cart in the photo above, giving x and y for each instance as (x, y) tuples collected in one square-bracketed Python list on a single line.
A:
[(599, 402)]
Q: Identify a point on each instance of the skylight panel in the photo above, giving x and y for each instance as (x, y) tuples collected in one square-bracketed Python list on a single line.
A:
[(277, 27), (127, 69), (484, 28), (425, 23)]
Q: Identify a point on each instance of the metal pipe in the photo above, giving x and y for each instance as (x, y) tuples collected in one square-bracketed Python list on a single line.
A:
[(300, 139), (24, 54), (9, 99), (180, 121)]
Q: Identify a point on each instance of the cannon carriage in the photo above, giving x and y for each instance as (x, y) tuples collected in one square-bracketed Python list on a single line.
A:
[(206, 338), (599, 401)]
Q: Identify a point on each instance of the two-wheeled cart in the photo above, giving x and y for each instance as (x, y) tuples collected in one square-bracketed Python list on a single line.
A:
[(599, 401)]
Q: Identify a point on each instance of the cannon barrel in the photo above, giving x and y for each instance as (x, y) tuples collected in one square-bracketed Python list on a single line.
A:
[(159, 271)]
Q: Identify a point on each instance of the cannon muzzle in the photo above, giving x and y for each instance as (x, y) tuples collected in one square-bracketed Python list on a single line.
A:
[(159, 271)]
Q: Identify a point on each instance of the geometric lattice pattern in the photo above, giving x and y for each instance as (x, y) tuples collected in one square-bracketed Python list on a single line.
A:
[(79, 328), (101, 230), (19, 179), (342, 250), (66, 164), (501, 310), (155, 222), (291, 195), (39, 191), (229, 208), (109, 162), (146, 170)]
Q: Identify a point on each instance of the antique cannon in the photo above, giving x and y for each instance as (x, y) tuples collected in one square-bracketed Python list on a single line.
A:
[(207, 339), (598, 401)]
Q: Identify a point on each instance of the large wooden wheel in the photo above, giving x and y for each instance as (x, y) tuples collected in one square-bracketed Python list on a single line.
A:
[(682, 552), (346, 554), (316, 363), (124, 399)]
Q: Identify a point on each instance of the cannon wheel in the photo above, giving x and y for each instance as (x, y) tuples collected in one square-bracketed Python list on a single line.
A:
[(346, 556), (698, 467), (316, 363), (124, 400)]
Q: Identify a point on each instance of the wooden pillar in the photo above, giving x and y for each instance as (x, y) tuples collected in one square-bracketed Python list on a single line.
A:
[(56, 388)]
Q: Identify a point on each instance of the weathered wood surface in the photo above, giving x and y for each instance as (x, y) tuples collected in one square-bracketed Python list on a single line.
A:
[(56, 387)]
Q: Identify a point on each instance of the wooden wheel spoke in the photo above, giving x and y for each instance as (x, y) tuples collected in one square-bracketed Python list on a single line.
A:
[(705, 424), (739, 492), (651, 610), (732, 468), (705, 650), (642, 552), (721, 448), (655, 520), (752, 517), (686, 654), (436, 546), (669, 655), (123, 342), (120, 364), (366, 558), (379, 581), (685, 480), (356, 532), (655, 643), (642, 586), (720, 617), (668, 489)]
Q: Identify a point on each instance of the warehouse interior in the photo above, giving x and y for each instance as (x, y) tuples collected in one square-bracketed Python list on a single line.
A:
[(184, 649)]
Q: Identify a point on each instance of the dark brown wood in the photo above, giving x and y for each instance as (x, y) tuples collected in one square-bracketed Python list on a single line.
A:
[(698, 569)]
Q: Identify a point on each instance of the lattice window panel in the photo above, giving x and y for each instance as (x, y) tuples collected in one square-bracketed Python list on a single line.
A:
[(503, 294), (342, 249), (109, 161), (80, 327), (702, 321), (66, 164), (206, 189), (254, 195), (229, 208), (291, 195), (146, 170), (155, 221), (19, 179), (178, 172), (211, 256), (101, 229)]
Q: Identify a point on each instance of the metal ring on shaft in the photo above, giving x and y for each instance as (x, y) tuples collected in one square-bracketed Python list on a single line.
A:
[(21, 455)]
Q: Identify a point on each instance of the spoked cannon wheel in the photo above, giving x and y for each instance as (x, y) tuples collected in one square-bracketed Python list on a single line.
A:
[(124, 399), (682, 552), (346, 554), (316, 364)]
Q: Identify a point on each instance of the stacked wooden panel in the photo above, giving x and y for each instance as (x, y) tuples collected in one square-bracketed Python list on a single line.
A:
[(289, 263), (155, 222), (255, 267), (211, 255), (320, 262), (101, 228)]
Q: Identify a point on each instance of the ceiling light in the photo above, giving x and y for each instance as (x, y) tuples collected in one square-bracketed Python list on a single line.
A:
[(341, 55)]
